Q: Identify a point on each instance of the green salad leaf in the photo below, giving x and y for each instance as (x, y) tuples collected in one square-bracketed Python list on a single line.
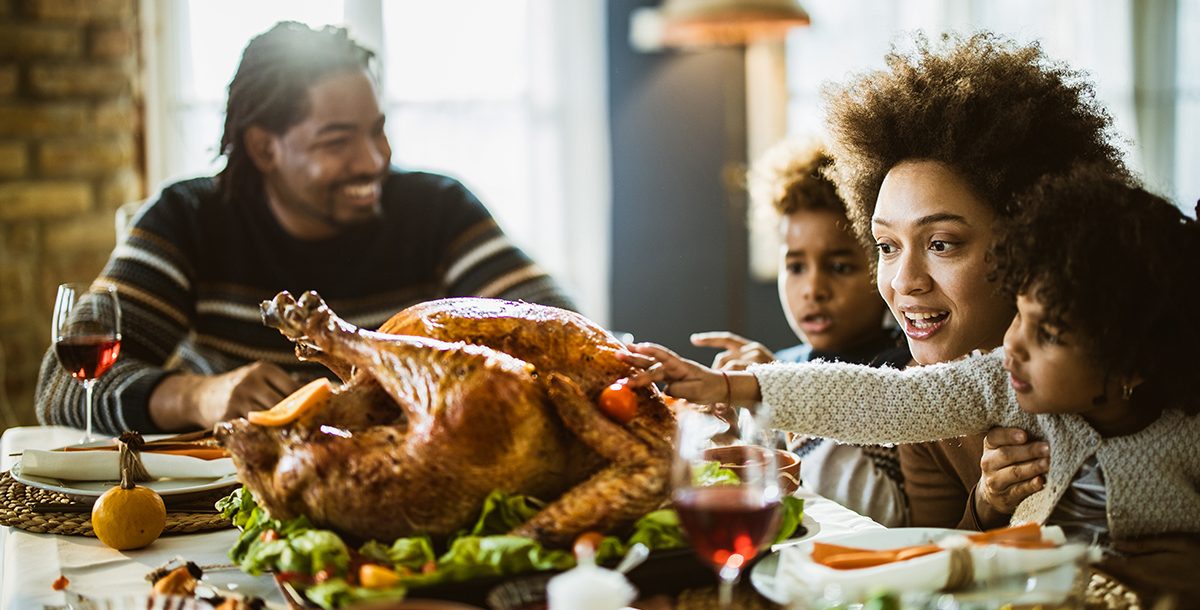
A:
[(659, 530), (711, 473), (503, 513), (793, 512), (336, 592)]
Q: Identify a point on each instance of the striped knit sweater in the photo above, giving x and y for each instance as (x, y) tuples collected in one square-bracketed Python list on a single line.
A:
[(1152, 475), (192, 271)]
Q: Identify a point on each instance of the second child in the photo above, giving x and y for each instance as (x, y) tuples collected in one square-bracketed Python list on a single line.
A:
[(828, 295)]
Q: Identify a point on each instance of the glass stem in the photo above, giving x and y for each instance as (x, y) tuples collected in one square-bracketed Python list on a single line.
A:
[(729, 578), (87, 408)]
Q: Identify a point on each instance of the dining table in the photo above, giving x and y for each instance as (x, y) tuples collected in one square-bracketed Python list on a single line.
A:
[(30, 563)]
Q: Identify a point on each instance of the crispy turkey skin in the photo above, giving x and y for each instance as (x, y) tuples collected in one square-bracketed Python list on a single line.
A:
[(448, 401)]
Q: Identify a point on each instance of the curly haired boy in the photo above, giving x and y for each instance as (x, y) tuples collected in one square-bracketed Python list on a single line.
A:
[(828, 295)]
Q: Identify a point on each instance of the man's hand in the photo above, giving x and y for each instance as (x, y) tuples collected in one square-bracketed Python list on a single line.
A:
[(252, 387), (1013, 469), (199, 401), (738, 352)]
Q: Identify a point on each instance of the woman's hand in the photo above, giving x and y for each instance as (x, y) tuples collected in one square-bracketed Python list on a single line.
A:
[(1013, 469), (682, 378), (738, 352)]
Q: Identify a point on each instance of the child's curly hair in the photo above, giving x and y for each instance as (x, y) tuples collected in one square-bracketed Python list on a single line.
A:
[(1001, 114), (790, 175), (1115, 265)]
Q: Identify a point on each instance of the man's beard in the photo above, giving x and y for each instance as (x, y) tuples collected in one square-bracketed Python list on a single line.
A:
[(326, 213)]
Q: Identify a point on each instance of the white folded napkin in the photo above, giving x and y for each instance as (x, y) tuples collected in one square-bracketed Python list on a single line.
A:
[(104, 465), (927, 573)]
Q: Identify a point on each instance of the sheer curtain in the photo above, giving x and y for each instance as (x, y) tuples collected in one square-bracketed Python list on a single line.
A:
[(1187, 109), (506, 95), (1100, 37)]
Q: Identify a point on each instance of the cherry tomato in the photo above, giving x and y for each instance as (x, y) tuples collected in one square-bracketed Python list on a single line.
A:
[(587, 543), (60, 583), (619, 402), (269, 535), (374, 576)]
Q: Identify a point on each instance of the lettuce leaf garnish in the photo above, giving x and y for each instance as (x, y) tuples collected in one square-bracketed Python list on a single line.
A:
[(710, 473)]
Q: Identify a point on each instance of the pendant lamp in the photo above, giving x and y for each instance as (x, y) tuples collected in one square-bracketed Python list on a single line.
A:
[(707, 23)]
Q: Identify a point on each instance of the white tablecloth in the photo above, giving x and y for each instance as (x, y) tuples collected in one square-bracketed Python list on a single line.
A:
[(30, 563)]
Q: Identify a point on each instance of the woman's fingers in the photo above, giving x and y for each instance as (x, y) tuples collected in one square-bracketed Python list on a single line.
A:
[(1004, 437), (1003, 480), (1012, 467)]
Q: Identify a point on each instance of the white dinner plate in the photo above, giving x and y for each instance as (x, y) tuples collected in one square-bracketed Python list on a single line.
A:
[(762, 576), (1036, 588), (94, 489), (164, 487)]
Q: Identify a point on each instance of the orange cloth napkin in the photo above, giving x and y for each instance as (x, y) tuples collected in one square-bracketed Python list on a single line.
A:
[(1026, 536), (850, 558), (184, 449)]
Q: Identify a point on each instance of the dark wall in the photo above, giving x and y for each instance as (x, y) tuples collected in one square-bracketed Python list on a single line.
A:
[(677, 121)]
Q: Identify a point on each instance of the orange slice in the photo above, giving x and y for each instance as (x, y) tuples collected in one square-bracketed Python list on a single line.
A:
[(290, 409)]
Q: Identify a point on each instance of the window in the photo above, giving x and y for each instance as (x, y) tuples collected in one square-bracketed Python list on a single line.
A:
[(1154, 118), (1096, 36), (507, 96), (1187, 109)]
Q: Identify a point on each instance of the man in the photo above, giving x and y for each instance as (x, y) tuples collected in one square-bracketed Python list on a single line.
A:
[(307, 201)]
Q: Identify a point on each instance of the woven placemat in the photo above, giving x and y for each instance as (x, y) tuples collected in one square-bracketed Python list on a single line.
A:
[(17, 502), (1107, 593)]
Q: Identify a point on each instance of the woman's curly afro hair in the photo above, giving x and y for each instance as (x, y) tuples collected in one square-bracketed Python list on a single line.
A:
[(1116, 267), (1001, 114)]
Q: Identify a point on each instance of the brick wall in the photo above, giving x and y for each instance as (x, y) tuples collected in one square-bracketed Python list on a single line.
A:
[(70, 149)]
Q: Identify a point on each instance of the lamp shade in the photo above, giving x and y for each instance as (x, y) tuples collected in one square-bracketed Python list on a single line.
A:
[(693, 23)]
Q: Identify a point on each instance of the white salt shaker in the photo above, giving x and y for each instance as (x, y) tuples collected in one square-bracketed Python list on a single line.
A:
[(589, 587)]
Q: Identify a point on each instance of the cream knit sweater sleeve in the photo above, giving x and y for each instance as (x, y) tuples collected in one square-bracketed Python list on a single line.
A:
[(860, 404)]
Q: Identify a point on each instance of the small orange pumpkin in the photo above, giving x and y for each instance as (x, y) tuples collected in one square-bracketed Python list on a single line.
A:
[(128, 516)]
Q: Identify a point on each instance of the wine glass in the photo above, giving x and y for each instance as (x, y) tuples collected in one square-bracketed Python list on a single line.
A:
[(86, 331), (725, 487)]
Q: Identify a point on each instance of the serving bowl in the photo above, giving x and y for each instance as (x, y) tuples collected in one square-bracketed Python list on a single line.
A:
[(736, 457)]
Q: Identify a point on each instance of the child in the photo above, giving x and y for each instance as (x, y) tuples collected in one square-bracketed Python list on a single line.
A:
[(829, 297), (1100, 361)]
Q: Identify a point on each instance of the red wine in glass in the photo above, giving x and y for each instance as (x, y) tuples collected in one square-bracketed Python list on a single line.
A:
[(86, 332), (730, 513), (87, 357), (724, 521)]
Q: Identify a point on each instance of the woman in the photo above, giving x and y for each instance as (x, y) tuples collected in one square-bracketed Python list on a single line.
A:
[(930, 155)]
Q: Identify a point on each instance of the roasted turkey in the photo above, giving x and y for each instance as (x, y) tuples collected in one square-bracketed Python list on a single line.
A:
[(450, 400)]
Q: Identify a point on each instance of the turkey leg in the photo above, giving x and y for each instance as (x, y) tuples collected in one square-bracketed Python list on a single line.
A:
[(631, 486)]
